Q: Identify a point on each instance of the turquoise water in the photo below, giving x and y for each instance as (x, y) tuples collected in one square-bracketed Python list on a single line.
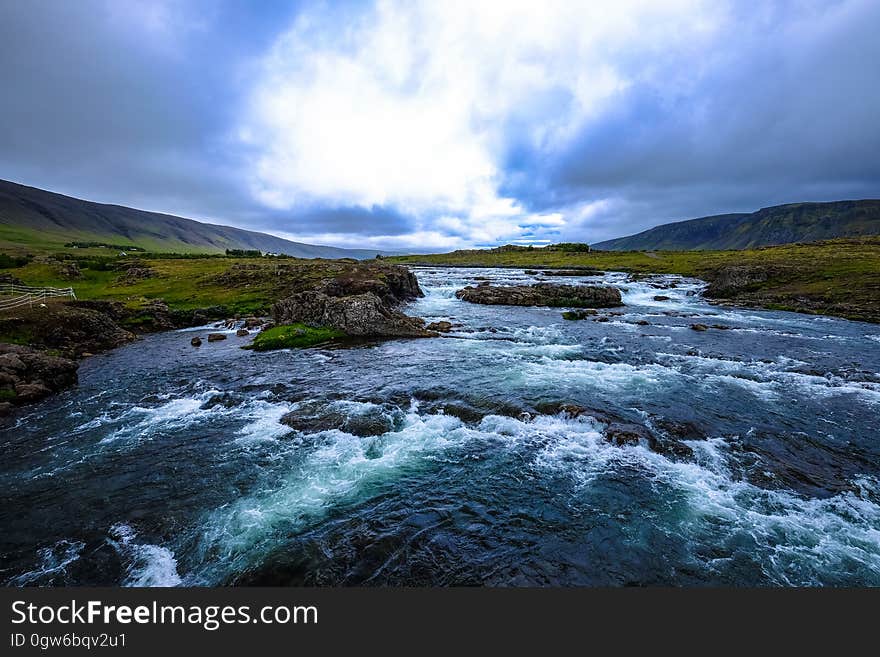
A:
[(437, 461)]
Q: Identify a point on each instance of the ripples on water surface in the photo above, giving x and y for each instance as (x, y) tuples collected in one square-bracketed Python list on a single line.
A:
[(412, 461)]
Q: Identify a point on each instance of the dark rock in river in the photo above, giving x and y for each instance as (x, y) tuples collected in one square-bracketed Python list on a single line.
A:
[(678, 430), (625, 433), (661, 297), (543, 294), (313, 417), (356, 315), (440, 327), (575, 315), (216, 337), (621, 432), (196, 342), (242, 332), (28, 375), (699, 327), (629, 433)]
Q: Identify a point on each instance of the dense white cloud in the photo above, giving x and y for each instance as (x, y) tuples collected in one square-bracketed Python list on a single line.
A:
[(411, 104), (443, 124)]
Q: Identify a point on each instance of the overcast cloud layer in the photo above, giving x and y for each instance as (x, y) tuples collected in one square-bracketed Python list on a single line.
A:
[(439, 125)]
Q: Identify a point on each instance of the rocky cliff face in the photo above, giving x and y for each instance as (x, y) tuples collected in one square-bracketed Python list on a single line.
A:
[(543, 294), (28, 375)]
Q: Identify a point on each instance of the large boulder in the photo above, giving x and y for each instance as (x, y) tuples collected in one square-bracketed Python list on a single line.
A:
[(543, 294), (393, 284), (357, 315)]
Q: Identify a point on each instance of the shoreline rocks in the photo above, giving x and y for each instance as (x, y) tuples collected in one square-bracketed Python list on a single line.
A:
[(543, 294), (28, 375)]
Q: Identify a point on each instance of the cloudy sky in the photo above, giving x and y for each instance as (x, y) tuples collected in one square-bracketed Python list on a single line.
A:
[(438, 125)]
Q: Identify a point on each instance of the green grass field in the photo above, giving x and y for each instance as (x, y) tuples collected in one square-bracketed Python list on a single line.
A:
[(182, 283)]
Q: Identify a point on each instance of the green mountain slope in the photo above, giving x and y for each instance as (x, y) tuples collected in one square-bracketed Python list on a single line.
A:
[(31, 216), (781, 224)]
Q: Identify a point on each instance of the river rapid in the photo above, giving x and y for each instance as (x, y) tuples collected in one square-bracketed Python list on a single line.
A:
[(437, 461)]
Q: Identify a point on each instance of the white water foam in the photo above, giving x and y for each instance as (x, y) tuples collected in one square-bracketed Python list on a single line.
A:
[(801, 540), (51, 561), (148, 565), (339, 468)]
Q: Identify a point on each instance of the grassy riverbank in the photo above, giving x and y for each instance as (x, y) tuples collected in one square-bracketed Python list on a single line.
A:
[(239, 285), (837, 277)]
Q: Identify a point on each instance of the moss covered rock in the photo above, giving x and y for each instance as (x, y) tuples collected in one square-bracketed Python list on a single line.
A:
[(290, 336)]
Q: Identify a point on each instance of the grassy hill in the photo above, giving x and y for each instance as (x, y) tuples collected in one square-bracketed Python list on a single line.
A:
[(781, 224), (32, 218)]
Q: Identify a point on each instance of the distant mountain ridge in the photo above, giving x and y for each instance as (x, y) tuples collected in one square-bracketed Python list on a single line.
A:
[(780, 224), (32, 215)]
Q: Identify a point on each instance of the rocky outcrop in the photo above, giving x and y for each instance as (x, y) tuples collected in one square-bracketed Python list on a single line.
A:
[(393, 284), (543, 294), (70, 329), (356, 315), (28, 375), (359, 300), (134, 271), (727, 282), (69, 271)]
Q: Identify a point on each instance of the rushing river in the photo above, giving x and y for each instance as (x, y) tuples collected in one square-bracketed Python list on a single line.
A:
[(425, 462)]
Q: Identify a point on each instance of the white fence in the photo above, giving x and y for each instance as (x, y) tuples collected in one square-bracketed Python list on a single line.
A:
[(13, 296)]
